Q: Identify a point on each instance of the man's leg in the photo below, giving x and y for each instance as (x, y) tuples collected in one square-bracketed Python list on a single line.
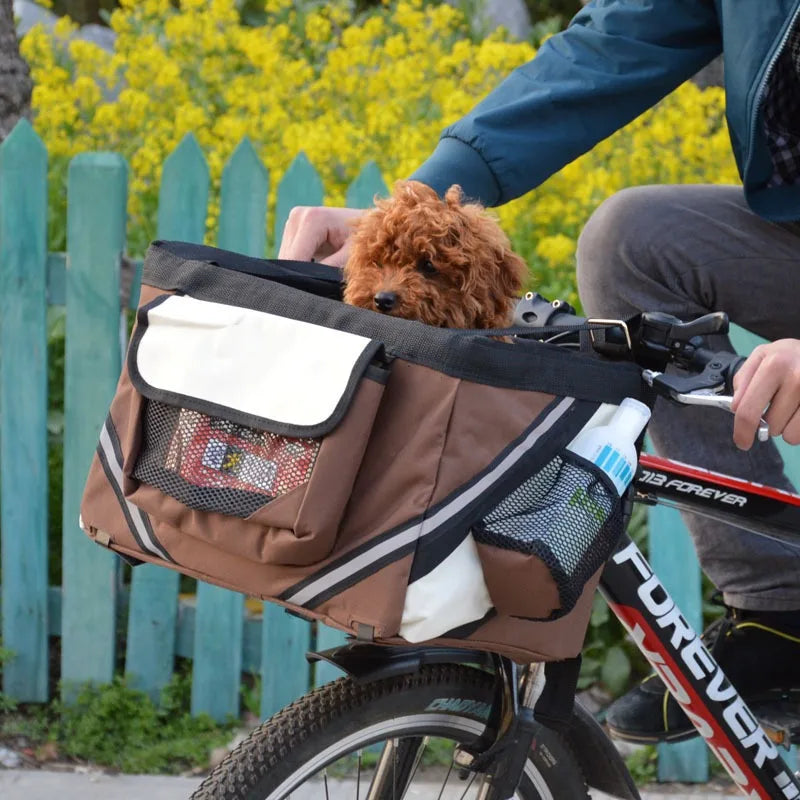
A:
[(689, 250)]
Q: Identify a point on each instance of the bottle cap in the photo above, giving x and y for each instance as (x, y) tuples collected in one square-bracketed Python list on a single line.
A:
[(631, 417)]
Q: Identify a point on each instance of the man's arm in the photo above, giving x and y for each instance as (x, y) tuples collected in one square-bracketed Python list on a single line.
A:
[(616, 59)]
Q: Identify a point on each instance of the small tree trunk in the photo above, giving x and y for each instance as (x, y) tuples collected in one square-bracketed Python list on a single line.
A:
[(15, 79)]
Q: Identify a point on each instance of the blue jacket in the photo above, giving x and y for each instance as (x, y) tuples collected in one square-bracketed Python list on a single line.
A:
[(616, 59)]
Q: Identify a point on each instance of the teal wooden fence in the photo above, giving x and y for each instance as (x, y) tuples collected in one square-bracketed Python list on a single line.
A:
[(222, 634)]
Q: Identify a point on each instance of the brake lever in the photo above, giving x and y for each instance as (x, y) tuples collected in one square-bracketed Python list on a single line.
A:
[(711, 397)]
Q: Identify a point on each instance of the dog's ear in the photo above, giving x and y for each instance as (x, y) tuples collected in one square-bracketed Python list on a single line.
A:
[(454, 196)]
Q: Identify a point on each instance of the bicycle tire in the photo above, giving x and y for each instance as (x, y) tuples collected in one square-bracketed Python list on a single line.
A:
[(439, 700)]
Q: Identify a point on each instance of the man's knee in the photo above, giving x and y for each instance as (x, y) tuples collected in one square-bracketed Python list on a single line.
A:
[(616, 246)]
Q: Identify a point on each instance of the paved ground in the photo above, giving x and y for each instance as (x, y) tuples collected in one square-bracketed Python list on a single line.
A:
[(19, 784)]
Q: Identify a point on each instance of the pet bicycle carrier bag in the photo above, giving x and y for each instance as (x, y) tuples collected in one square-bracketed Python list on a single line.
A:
[(397, 481)]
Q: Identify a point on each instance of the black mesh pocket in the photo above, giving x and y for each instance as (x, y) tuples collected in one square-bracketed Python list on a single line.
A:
[(565, 515), (212, 464)]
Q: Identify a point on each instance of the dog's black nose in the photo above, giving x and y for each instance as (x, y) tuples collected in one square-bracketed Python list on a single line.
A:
[(385, 301)]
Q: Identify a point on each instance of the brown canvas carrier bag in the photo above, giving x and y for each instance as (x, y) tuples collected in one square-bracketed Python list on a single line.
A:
[(400, 482)]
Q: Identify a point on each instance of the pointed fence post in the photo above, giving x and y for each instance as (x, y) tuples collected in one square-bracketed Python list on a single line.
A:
[(217, 669), (150, 655), (285, 639), (23, 412), (361, 192), (300, 186), (243, 203), (96, 215)]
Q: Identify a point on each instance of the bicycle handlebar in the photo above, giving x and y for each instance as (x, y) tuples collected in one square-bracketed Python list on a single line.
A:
[(653, 340)]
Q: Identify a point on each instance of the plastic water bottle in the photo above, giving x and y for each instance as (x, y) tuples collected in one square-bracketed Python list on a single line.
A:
[(612, 447)]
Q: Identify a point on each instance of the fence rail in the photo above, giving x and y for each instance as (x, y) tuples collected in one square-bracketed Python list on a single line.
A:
[(221, 633)]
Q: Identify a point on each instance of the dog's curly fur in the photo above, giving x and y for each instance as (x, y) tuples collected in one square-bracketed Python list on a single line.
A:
[(442, 262)]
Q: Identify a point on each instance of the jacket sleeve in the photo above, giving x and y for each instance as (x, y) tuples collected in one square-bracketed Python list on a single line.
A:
[(616, 59)]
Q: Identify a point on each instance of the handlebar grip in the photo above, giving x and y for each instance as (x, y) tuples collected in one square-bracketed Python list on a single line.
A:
[(731, 371)]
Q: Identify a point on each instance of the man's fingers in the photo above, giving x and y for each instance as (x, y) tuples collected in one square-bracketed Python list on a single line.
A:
[(791, 433), (752, 401), (339, 258), (745, 373), (302, 235)]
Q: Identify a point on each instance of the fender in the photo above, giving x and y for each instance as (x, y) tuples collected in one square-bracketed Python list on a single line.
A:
[(602, 765), (364, 662)]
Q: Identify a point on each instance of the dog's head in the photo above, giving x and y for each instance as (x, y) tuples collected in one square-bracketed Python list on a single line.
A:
[(443, 262)]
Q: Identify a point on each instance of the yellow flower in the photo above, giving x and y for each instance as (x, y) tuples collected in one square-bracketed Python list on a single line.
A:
[(556, 249)]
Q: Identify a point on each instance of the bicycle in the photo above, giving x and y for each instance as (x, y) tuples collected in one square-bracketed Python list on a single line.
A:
[(507, 736)]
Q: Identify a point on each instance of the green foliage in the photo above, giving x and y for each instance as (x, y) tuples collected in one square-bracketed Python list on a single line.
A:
[(643, 765), (6, 703), (117, 726), (250, 692), (609, 657), (56, 330)]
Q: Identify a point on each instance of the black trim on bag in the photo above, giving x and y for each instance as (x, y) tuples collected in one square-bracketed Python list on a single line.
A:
[(310, 276), (537, 367), (413, 527), (364, 367)]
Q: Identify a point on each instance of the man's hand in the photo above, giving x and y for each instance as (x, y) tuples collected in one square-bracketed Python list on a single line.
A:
[(318, 233), (769, 379)]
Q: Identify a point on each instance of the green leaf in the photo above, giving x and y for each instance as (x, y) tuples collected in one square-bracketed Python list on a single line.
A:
[(600, 613), (616, 670)]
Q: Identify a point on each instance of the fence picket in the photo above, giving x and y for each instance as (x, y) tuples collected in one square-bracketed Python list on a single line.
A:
[(243, 203), (285, 639), (300, 186), (673, 558), (150, 654), (217, 668), (96, 216), (23, 411), (284, 672), (361, 192)]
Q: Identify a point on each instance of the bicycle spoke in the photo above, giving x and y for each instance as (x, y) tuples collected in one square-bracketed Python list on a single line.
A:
[(395, 768), (358, 777), (418, 760), (325, 781), (446, 778), (469, 785)]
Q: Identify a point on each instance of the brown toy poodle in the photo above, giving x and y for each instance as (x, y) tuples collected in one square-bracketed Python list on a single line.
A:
[(442, 262)]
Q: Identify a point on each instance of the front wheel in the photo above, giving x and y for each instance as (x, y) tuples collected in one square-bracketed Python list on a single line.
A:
[(385, 740)]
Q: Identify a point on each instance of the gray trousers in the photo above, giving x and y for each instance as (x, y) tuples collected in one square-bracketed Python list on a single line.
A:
[(689, 250)]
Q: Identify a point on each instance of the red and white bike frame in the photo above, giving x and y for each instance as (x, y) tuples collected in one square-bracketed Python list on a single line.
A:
[(669, 643)]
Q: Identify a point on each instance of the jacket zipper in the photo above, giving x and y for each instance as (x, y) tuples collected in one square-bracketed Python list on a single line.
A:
[(770, 66)]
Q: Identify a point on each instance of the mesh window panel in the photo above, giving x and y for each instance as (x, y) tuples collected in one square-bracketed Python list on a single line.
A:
[(211, 464), (565, 516)]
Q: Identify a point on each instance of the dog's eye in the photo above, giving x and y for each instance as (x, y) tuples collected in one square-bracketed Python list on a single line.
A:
[(425, 266)]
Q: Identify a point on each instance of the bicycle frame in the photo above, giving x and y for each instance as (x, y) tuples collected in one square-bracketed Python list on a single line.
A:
[(637, 597)]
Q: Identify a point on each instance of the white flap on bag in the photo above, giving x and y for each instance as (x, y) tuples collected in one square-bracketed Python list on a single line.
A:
[(272, 368)]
